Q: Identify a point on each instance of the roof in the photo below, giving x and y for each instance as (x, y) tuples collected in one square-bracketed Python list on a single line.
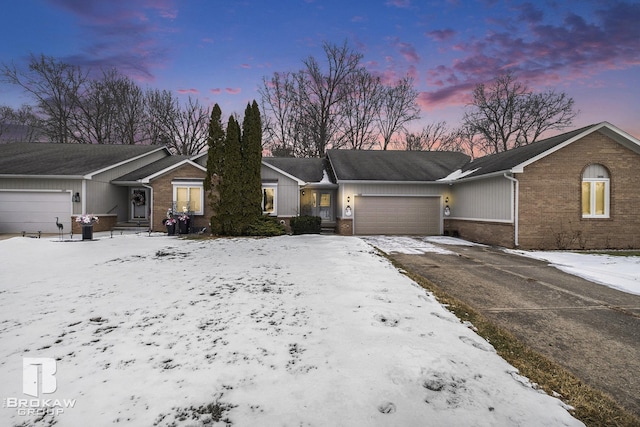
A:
[(398, 166), (305, 169), (517, 158), (152, 169), (66, 159)]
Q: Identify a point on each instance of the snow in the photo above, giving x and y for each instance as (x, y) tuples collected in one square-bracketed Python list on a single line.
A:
[(458, 174), (617, 272), (293, 330)]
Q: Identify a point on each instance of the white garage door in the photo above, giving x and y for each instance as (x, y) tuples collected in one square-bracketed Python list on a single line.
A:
[(397, 215), (34, 211)]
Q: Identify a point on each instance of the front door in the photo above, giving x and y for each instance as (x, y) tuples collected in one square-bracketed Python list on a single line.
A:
[(323, 205), (139, 203)]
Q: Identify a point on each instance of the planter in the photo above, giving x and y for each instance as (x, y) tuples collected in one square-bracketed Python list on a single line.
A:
[(87, 232), (184, 227), (171, 229)]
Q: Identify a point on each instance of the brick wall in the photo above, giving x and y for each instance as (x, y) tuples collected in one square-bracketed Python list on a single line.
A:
[(489, 233), (344, 227), (163, 197), (105, 223), (550, 198)]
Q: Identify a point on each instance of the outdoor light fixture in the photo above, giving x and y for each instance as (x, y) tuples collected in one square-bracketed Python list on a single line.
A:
[(348, 199), (76, 197), (347, 211), (447, 210)]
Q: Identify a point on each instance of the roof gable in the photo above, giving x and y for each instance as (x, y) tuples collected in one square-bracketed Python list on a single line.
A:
[(394, 166), (304, 170), (155, 169), (78, 160), (515, 160)]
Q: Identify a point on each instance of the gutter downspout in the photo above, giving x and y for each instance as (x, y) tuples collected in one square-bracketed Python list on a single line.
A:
[(516, 216), (151, 215), (83, 206)]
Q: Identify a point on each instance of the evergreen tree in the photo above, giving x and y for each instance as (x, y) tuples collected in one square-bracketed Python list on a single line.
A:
[(215, 157), (252, 162), (230, 209)]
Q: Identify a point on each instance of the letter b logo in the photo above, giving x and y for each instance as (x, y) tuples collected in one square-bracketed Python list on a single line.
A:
[(38, 371)]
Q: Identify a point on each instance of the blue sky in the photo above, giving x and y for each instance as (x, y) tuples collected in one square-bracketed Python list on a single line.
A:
[(220, 51)]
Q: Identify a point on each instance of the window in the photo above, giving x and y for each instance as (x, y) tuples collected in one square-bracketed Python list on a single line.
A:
[(269, 199), (595, 192), (188, 196)]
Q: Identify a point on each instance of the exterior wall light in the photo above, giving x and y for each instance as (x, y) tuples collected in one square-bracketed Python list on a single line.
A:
[(76, 197), (347, 211)]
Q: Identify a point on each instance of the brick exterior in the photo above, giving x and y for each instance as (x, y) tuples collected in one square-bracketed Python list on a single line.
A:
[(344, 227), (105, 223), (550, 198), (163, 197), (488, 233)]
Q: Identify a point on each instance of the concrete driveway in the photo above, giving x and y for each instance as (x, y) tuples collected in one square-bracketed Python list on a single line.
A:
[(592, 330)]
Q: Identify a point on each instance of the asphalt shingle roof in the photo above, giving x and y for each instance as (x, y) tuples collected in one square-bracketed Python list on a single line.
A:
[(307, 170), (152, 168), (376, 165), (509, 159), (64, 159)]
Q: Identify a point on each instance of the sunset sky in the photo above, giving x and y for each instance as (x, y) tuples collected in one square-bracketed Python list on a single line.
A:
[(220, 51)]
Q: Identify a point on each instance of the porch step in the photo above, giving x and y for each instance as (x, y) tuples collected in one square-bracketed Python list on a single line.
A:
[(328, 229), (142, 225)]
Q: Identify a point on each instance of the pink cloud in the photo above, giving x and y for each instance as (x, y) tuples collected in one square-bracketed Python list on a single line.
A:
[(216, 91), (188, 91), (407, 50), (245, 66), (233, 91)]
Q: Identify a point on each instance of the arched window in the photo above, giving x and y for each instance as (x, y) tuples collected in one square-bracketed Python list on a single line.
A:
[(595, 192)]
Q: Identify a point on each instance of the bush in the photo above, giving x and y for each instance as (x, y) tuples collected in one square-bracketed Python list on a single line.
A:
[(265, 226), (306, 224)]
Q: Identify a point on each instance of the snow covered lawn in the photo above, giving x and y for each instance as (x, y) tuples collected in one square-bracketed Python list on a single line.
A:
[(293, 330)]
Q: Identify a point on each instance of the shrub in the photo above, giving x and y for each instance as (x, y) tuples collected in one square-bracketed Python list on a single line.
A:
[(306, 224), (265, 226)]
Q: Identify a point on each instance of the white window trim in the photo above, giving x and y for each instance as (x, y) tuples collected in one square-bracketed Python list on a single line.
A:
[(189, 185), (275, 198), (593, 197)]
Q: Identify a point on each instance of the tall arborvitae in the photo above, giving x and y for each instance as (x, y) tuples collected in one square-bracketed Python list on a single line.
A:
[(230, 213), (215, 157), (252, 159)]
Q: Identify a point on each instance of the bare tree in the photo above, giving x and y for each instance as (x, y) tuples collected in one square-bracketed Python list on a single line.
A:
[(55, 86), (507, 114), (183, 129), (398, 107), (21, 125), (359, 108), (160, 109), (130, 114), (433, 137)]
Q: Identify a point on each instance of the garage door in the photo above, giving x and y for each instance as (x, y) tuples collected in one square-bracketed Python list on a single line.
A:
[(397, 215), (33, 211)]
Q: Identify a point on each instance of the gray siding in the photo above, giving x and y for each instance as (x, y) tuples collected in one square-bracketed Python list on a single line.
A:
[(484, 199), (288, 193), (105, 198)]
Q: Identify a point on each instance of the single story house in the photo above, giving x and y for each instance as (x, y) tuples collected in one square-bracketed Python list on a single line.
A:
[(576, 190)]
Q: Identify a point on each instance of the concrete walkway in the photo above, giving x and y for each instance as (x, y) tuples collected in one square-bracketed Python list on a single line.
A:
[(592, 330)]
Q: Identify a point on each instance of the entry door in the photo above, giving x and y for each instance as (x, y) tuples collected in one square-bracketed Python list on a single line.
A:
[(323, 205), (139, 203)]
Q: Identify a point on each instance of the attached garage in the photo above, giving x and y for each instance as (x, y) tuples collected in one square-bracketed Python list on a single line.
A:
[(397, 215), (34, 211)]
